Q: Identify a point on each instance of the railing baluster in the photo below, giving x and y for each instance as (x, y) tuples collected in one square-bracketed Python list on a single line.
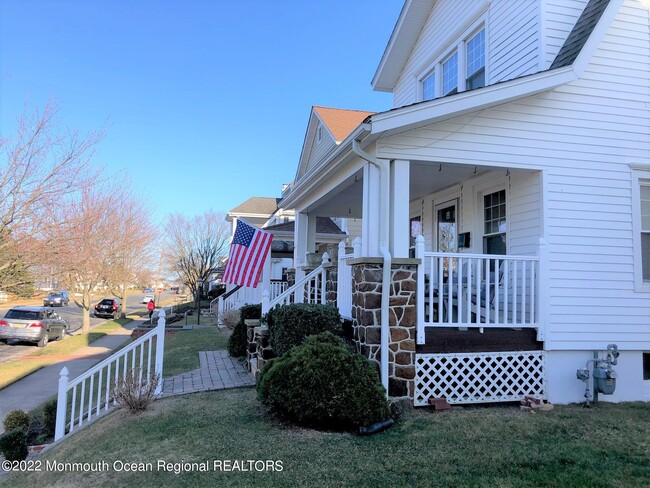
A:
[(523, 291), (515, 282), (99, 393), (81, 402), (506, 282), (468, 290), (149, 347), (533, 291), (73, 405), (108, 386), (90, 397), (141, 362)]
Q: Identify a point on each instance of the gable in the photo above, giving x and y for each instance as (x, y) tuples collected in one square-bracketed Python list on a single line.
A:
[(327, 128)]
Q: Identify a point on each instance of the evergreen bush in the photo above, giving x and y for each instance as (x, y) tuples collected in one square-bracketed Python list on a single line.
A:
[(17, 419), (237, 341), (13, 445), (291, 324), (49, 417), (324, 384)]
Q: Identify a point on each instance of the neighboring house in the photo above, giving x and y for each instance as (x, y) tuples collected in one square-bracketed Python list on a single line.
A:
[(519, 148)]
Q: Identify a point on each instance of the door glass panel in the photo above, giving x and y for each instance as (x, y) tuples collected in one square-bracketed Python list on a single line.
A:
[(447, 230)]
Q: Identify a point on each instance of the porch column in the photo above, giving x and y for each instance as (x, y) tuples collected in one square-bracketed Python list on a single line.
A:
[(370, 211), (266, 274), (300, 243), (399, 218)]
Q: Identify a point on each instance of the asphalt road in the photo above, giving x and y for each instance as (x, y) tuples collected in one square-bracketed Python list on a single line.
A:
[(71, 313)]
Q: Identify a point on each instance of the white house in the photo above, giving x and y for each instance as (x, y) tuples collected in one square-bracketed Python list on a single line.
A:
[(519, 148)]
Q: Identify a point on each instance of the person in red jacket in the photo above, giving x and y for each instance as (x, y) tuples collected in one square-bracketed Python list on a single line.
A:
[(151, 306)]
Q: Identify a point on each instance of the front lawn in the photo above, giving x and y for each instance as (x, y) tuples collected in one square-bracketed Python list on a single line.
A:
[(568, 447), (182, 349)]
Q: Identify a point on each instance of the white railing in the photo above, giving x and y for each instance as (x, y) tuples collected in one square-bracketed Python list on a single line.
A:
[(310, 289), (91, 394), (344, 278), (278, 288), (476, 290)]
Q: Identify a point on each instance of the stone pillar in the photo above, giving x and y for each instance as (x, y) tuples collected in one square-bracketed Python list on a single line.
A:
[(291, 277), (331, 282), (366, 318)]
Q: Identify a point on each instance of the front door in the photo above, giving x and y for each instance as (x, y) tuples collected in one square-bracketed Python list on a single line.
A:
[(447, 226)]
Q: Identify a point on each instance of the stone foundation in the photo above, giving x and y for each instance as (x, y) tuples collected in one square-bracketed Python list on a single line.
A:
[(366, 316), (258, 350), (331, 282)]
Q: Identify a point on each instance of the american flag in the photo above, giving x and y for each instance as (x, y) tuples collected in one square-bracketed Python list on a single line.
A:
[(248, 252)]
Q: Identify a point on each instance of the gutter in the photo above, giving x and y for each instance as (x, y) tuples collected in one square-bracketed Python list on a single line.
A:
[(384, 195)]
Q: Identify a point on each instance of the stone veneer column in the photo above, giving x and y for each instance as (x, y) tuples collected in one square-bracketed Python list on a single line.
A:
[(366, 317), (331, 281)]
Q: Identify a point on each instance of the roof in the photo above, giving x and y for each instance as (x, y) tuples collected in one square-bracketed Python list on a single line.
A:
[(257, 205), (341, 122), (324, 225), (580, 33)]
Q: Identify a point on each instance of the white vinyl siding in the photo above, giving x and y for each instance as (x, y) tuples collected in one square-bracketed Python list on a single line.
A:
[(559, 17), (512, 36), (320, 148), (582, 136)]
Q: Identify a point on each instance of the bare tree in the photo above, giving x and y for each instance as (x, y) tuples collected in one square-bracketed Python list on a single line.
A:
[(40, 168), (132, 253), (195, 246)]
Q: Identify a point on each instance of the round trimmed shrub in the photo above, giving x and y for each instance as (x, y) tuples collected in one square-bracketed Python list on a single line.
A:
[(13, 445), (17, 419), (324, 384), (291, 324), (237, 341), (49, 417)]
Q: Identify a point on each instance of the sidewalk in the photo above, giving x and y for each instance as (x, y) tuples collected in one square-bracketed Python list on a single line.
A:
[(42, 385)]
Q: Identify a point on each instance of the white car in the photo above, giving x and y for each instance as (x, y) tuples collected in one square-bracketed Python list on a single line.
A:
[(147, 298)]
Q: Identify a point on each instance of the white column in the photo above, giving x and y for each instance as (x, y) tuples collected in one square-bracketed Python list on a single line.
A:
[(311, 233), (399, 211), (300, 239), (370, 212)]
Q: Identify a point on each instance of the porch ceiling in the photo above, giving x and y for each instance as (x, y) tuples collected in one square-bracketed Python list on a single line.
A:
[(429, 177), (345, 201)]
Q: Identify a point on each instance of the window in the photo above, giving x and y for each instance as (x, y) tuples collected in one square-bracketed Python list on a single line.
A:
[(461, 67), (320, 133), (644, 197), (429, 87), (415, 225), (450, 75), (475, 70), (495, 224)]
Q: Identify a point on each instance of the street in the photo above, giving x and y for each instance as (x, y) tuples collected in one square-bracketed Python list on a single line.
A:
[(73, 315)]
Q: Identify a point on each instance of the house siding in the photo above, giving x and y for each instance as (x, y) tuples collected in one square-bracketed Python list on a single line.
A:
[(509, 24), (582, 137), (318, 149), (559, 17)]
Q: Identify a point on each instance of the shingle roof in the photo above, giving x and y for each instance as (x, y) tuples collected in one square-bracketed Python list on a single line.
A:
[(580, 33), (341, 122), (324, 225), (257, 205)]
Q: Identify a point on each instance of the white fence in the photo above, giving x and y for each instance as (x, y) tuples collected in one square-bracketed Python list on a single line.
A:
[(479, 377), (344, 278), (278, 288), (476, 290), (91, 394)]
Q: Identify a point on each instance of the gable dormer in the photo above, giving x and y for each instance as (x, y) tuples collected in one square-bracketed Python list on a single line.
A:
[(327, 128), (441, 47)]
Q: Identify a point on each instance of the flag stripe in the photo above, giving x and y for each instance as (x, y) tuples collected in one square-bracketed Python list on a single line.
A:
[(248, 252)]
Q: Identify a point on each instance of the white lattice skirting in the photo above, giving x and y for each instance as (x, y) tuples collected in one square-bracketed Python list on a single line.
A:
[(480, 377)]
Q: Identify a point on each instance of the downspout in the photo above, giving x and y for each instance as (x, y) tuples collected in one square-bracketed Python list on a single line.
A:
[(384, 197)]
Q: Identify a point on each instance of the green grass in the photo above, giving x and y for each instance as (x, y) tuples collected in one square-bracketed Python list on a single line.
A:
[(182, 349), (14, 370), (569, 447)]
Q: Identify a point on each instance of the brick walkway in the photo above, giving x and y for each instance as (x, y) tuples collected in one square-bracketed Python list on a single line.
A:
[(218, 371)]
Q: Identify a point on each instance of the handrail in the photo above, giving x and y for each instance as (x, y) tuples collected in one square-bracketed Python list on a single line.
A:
[(226, 295), (107, 372)]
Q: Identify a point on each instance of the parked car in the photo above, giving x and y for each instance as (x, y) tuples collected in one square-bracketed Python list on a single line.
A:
[(57, 299), (108, 308), (147, 290), (33, 324), (147, 298)]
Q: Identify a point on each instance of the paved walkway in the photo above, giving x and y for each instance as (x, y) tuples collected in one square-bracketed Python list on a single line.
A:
[(43, 384), (217, 371)]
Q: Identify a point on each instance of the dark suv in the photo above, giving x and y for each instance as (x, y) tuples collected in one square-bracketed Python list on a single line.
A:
[(57, 299), (108, 308)]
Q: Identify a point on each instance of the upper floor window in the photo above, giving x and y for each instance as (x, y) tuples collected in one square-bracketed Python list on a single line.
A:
[(475, 57), (641, 226), (450, 75), (644, 197), (461, 67)]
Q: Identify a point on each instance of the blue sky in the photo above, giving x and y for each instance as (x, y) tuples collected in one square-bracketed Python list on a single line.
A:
[(203, 103)]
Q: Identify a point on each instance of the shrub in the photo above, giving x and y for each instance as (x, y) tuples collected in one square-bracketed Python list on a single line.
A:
[(290, 324), (230, 318), (13, 445), (49, 417), (36, 432), (237, 341), (136, 394), (17, 419), (324, 384)]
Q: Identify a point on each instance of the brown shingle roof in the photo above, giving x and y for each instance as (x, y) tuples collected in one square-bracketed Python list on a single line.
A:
[(324, 225), (257, 205), (341, 122)]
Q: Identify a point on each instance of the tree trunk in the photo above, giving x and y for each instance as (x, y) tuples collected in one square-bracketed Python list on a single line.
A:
[(85, 310), (125, 295)]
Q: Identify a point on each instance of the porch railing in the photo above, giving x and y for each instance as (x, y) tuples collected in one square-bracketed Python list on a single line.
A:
[(344, 278), (92, 394), (476, 290), (277, 288), (309, 289)]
